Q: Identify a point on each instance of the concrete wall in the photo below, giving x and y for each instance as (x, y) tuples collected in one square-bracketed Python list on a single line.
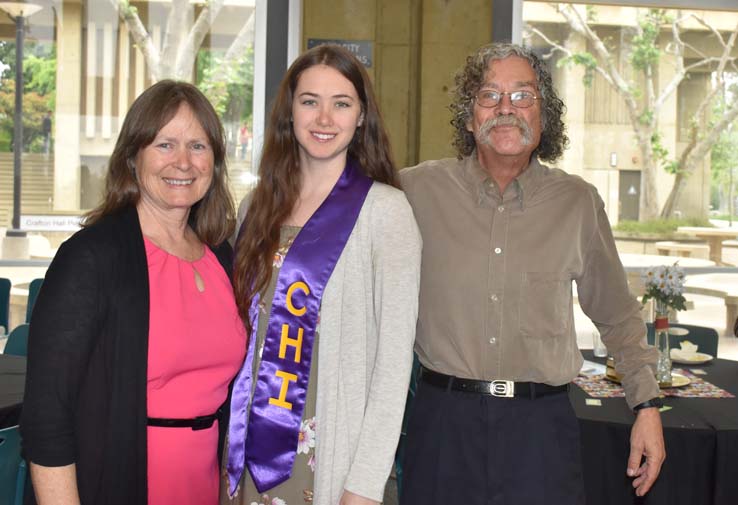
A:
[(451, 30), (68, 96), (417, 47)]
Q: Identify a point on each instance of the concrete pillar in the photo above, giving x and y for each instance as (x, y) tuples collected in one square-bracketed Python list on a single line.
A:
[(571, 89), (396, 67), (393, 28), (107, 76), (451, 30), (15, 248), (124, 74), (68, 96)]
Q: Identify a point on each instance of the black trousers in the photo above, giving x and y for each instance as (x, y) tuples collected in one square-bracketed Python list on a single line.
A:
[(470, 449)]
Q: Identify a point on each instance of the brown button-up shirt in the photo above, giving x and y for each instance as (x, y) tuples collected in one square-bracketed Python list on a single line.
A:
[(496, 280)]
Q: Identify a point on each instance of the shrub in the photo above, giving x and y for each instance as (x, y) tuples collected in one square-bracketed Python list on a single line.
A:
[(659, 226)]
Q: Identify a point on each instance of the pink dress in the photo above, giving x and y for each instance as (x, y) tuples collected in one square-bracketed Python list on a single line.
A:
[(197, 343)]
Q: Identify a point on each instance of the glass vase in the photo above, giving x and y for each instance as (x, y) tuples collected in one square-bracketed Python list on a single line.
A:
[(661, 342)]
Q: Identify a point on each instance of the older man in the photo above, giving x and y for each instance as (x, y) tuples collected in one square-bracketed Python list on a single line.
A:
[(504, 237)]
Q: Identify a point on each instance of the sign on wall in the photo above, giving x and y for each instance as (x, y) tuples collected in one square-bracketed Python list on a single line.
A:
[(35, 222), (362, 49)]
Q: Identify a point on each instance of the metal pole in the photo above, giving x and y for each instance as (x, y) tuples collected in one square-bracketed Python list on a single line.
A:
[(18, 123)]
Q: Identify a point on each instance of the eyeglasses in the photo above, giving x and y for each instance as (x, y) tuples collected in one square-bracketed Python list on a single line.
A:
[(519, 99)]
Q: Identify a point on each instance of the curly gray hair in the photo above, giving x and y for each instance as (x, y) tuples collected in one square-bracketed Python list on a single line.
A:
[(471, 77)]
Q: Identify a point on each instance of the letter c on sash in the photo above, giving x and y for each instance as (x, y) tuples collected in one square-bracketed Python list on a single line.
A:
[(290, 291)]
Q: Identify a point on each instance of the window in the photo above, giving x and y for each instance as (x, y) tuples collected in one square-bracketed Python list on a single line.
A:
[(84, 64)]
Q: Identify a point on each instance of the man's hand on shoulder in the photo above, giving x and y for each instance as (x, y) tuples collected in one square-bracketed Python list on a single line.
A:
[(646, 439)]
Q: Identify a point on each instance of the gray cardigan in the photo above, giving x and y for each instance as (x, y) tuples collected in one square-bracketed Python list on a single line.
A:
[(367, 328)]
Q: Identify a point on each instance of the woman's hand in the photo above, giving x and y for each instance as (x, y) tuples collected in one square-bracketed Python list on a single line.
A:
[(349, 498)]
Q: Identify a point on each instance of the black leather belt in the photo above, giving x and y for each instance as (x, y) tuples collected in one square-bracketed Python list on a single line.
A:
[(196, 423), (499, 388)]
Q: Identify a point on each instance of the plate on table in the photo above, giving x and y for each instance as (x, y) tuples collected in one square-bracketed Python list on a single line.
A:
[(698, 358), (677, 380)]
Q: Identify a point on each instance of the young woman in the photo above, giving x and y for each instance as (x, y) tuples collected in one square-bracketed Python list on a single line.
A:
[(326, 274)]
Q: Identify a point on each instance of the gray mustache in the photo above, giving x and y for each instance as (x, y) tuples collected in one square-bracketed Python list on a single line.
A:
[(507, 120)]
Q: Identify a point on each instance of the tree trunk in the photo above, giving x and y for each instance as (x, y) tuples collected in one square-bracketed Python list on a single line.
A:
[(191, 44), (695, 152), (174, 33), (649, 200), (670, 205)]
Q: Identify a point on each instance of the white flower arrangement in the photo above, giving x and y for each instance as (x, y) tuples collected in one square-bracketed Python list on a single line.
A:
[(665, 285)]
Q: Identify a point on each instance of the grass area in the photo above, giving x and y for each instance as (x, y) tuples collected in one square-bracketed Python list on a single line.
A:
[(659, 226), (724, 217)]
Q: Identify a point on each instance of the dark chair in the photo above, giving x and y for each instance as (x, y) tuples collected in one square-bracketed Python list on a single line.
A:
[(33, 290), (17, 343), (706, 339), (5, 303), (12, 467)]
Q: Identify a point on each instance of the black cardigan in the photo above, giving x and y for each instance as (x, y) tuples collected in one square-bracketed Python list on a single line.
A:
[(85, 399)]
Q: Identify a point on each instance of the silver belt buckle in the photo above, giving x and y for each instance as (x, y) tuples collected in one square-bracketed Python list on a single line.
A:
[(502, 389)]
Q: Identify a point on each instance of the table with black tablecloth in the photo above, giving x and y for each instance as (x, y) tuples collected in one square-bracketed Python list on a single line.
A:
[(701, 436), (12, 382)]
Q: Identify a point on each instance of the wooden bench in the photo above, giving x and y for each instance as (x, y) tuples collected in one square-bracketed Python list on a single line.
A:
[(723, 286), (683, 249)]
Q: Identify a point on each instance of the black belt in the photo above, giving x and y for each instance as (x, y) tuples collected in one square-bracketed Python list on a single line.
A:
[(500, 388), (196, 423)]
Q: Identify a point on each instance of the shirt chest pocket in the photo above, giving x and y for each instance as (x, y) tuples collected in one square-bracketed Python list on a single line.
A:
[(545, 305)]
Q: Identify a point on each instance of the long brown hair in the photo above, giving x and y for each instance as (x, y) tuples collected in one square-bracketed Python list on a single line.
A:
[(279, 170), (213, 217)]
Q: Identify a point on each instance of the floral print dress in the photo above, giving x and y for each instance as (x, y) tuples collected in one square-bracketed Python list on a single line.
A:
[(298, 489)]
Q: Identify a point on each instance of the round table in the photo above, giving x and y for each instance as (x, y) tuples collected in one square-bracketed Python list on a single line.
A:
[(701, 436), (12, 384)]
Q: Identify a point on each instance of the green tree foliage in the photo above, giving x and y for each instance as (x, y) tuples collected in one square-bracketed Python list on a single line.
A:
[(645, 44), (229, 85), (35, 107), (232, 97), (39, 96), (586, 60)]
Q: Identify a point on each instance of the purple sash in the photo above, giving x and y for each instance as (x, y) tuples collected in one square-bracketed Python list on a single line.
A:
[(272, 427)]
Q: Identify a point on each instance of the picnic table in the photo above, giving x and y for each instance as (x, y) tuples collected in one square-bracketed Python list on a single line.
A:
[(714, 238)]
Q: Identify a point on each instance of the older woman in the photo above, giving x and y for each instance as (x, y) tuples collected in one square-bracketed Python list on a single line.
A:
[(135, 335)]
